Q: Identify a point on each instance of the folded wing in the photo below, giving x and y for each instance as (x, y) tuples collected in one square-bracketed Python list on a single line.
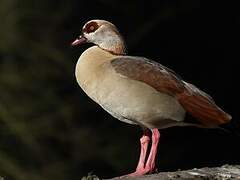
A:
[(199, 104)]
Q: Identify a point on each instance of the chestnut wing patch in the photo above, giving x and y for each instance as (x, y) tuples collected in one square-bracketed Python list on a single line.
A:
[(152, 73), (202, 106), (196, 102)]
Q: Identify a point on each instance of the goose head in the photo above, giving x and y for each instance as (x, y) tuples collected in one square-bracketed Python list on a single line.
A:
[(103, 34)]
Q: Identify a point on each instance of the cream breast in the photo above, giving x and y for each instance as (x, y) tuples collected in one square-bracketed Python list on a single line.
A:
[(126, 99)]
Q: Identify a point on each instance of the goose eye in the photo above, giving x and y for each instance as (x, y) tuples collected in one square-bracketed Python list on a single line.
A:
[(91, 27)]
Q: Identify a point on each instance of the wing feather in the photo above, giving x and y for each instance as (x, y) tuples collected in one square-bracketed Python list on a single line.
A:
[(196, 102)]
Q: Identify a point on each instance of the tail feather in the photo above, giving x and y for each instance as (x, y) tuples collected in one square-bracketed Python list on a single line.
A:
[(201, 106)]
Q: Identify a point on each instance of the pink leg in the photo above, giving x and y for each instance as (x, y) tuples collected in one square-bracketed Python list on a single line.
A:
[(140, 170), (141, 163), (150, 165), (144, 141)]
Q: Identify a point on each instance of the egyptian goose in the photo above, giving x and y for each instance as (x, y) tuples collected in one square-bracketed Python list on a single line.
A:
[(137, 90)]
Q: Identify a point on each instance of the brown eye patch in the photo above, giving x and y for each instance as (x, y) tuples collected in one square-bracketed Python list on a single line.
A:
[(90, 27)]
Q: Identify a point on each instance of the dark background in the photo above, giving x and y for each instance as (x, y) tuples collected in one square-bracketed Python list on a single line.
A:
[(49, 129)]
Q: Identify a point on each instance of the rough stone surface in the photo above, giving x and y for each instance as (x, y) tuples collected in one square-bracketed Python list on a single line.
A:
[(225, 172)]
